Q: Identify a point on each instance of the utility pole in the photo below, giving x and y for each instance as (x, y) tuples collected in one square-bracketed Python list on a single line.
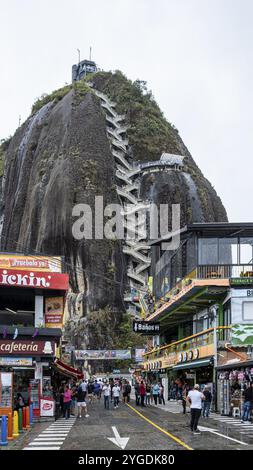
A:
[(78, 50), (90, 52)]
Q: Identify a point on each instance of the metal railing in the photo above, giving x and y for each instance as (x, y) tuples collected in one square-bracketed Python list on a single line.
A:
[(224, 271), (204, 338)]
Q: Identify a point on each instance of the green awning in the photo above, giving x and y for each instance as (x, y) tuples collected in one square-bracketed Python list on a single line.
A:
[(194, 364)]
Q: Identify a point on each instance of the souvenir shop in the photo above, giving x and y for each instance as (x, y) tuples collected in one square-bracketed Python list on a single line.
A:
[(231, 382)]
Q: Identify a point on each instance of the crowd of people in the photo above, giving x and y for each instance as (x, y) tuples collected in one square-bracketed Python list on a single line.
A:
[(72, 395), (149, 393)]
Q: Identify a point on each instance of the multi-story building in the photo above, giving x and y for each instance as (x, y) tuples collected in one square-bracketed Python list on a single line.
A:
[(32, 293), (203, 299)]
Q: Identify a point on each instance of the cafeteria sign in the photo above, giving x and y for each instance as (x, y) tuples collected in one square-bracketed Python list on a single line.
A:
[(102, 354)]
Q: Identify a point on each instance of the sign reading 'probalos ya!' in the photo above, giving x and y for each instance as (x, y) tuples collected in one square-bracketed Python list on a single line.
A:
[(51, 264), (26, 348), (42, 280)]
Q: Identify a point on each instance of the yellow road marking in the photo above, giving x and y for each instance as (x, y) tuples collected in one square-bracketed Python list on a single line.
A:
[(161, 429)]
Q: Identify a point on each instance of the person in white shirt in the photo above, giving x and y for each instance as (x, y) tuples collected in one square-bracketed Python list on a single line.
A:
[(195, 398), (107, 393), (115, 394)]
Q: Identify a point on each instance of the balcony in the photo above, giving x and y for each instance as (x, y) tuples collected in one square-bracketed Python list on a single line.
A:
[(224, 271), (204, 338)]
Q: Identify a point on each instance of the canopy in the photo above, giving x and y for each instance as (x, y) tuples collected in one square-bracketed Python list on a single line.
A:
[(68, 370)]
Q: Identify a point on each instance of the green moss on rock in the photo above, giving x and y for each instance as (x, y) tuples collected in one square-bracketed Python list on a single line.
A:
[(55, 96)]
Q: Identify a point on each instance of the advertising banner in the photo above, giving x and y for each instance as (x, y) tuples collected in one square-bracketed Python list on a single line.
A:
[(139, 355), (54, 312), (26, 348), (46, 407), (42, 280), (242, 335), (52, 264), (103, 354), (16, 361)]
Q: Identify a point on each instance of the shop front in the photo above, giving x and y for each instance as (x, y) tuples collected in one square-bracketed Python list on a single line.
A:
[(26, 373)]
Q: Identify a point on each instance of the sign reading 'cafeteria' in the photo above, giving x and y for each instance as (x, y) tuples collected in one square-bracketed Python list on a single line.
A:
[(14, 278), (28, 348)]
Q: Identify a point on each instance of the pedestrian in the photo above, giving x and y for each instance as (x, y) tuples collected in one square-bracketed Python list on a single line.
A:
[(116, 393), (67, 402), (207, 402), (126, 392), (142, 393), (155, 392), (184, 395), (73, 400), (112, 385), (96, 390), (161, 394), (81, 403), (90, 389), (137, 393), (247, 405), (195, 398), (148, 392), (61, 391), (107, 392), (57, 399)]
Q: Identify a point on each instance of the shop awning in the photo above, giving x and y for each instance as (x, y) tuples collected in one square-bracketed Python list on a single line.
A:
[(67, 370), (235, 365), (194, 364)]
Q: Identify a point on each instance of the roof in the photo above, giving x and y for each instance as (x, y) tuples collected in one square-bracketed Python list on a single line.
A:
[(211, 229)]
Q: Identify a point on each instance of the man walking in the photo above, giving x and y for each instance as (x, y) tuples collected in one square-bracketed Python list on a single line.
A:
[(115, 393), (195, 398), (81, 403), (207, 402), (247, 405), (107, 392)]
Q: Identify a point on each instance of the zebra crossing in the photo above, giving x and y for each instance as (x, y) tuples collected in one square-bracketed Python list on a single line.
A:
[(53, 437), (243, 428)]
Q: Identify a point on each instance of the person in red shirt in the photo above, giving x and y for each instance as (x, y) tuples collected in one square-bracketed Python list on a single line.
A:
[(142, 392), (67, 402)]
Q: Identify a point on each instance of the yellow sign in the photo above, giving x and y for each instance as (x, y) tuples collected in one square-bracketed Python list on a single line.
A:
[(54, 312), (31, 263)]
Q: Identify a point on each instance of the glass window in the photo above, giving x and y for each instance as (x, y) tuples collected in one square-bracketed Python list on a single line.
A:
[(247, 309), (246, 250), (228, 251), (208, 251)]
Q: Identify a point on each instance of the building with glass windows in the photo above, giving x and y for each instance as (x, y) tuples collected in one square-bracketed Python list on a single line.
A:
[(203, 297)]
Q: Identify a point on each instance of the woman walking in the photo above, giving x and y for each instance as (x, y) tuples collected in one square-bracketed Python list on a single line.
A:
[(67, 402)]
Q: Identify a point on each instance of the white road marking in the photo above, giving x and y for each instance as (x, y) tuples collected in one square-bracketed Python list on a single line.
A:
[(45, 443), (40, 448), (213, 431), (117, 440), (51, 438)]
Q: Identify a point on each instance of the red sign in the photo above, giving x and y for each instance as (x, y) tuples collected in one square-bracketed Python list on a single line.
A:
[(41, 280), (26, 348)]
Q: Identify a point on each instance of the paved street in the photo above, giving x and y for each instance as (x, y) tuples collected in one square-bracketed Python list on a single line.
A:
[(149, 428)]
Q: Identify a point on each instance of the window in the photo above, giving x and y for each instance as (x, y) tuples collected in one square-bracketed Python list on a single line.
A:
[(228, 251), (247, 311), (208, 251), (246, 250)]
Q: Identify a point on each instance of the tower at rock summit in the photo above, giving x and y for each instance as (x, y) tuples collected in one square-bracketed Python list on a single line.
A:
[(103, 135)]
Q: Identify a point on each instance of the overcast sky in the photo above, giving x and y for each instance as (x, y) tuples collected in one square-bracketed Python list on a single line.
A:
[(196, 56)]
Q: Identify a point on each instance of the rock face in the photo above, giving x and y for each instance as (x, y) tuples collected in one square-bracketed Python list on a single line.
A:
[(61, 156)]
